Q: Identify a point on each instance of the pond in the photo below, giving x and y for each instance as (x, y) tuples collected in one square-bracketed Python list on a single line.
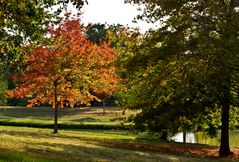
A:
[(202, 138)]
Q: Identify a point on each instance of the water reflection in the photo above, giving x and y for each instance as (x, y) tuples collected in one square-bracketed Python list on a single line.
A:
[(190, 137), (202, 138)]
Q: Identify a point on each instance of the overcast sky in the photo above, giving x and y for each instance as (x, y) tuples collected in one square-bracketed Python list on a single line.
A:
[(111, 12)]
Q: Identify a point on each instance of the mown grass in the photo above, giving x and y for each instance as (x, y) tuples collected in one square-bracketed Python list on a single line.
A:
[(37, 144), (20, 157), (84, 117), (40, 145), (84, 114)]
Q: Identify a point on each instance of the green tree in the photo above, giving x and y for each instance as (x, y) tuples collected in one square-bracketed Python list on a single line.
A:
[(24, 21), (124, 40), (204, 31), (97, 33)]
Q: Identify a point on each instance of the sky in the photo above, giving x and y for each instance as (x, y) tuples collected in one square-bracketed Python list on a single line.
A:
[(112, 12)]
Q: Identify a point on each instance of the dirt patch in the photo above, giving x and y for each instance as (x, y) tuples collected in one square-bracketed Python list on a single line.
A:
[(172, 148)]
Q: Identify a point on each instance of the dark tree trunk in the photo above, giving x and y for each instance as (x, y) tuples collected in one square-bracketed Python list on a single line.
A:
[(103, 106), (184, 136), (55, 112), (224, 147), (56, 120), (124, 110), (225, 88), (164, 136)]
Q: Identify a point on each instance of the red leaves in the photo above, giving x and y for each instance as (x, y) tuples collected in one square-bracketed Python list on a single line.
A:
[(68, 68)]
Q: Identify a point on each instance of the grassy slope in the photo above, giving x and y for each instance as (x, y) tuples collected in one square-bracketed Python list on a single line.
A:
[(34, 144)]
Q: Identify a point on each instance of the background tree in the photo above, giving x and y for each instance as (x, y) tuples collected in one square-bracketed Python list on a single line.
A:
[(3, 92), (98, 33), (67, 70), (205, 31), (124, 40)]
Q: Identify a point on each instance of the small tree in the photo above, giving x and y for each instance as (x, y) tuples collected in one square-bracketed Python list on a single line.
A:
[(66, 71), (97, 33), (107, 93)]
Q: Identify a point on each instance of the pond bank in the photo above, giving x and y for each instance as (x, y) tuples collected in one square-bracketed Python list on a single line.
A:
[(203, 138)]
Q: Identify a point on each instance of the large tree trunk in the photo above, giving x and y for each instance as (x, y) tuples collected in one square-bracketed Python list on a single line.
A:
[(224, 147), (225, 102)]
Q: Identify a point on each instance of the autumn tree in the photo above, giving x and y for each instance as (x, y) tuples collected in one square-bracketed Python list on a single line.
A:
[(205, 32), (23, 22), (67, 70)]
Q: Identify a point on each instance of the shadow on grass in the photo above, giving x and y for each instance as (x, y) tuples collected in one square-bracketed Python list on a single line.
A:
[(95, 152), (86, 119), (6, 155), (91, 149), (27, 112), (63, 136), (81, 149), (44, 135), (48, 112)]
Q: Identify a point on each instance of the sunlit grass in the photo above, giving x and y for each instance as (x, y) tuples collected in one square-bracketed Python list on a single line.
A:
[(34, 144), (37, 144)]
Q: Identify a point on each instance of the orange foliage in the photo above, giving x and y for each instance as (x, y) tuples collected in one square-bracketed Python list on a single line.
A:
[(67, 69)]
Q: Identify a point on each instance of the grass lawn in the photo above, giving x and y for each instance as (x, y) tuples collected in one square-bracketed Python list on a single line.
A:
[(37, 144), (71, 115)]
